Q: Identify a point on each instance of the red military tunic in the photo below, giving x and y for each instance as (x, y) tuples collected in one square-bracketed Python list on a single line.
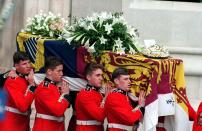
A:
[(49, 107), (119, 111), (88, 109), (19, 100), (197, 126)]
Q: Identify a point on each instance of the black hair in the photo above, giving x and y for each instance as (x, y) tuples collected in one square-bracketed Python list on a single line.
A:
[(52, 62), (92, 67), (20, 56), (118, 72)]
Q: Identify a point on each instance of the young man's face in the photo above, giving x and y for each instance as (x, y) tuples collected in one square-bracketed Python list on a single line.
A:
[(56, 74), (24, 67), (123, 82), (95, 78)]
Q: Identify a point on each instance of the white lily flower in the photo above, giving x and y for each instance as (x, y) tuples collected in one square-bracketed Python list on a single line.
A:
[(91, 49), (115, 20), (90, 18), (47, 28), (86, 45), (91, 26), (69, 39), (83, 24), (102, 40), (103, 16), (100, 22), (118, 43), (108, 28), (82, 41), (66, 32), (51, 34), (95, 15), (60, 37), (131, 31), (36, 27), (78, 37)]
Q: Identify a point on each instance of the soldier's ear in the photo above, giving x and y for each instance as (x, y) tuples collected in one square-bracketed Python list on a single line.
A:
[(116, 81), (88, 77), (16, 65), (49, 72)]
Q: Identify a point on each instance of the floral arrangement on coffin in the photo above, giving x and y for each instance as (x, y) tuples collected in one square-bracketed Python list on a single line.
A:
[(47, 25), (104, 31)]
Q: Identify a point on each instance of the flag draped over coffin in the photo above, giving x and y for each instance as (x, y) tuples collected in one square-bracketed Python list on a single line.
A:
[(163, 79), (165, 84)]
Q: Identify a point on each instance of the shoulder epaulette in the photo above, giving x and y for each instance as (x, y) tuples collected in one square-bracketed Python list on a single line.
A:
[(119, 91), (20, 75), (48, 81), (89, 88)]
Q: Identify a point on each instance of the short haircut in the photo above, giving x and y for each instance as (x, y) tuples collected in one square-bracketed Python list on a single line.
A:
[(118, 72), (52, 62), (20, 56), (92, 67)]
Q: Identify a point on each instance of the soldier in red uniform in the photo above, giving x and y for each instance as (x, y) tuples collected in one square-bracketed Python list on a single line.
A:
[(50, 100), (20, 90), (89, 111), (197, 126), (120, 114)]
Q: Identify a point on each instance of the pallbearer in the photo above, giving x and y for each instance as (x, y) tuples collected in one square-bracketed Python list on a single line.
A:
[(20, 91), (89, 109), (120, 114), (50, 100)]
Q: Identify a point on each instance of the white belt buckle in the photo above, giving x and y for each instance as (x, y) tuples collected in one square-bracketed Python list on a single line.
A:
[(87, 122)]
